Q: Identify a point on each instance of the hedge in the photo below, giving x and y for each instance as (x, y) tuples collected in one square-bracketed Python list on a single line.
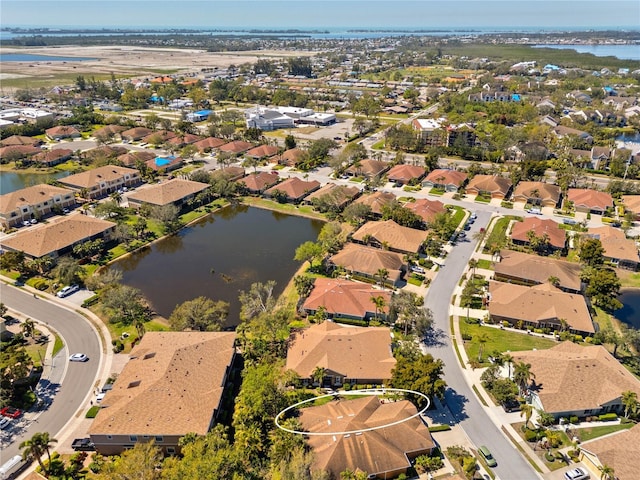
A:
[(530, 435), (608, 417), (439, 428), (91, 301)]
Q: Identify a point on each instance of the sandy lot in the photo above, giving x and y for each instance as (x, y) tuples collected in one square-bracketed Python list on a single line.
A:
[(130, 60)]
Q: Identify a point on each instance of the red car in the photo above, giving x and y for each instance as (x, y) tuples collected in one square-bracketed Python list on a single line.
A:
[(10, 412)]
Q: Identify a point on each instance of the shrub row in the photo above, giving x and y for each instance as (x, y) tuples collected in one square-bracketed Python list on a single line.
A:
[(91, 301), (439, 428), (608, 417)]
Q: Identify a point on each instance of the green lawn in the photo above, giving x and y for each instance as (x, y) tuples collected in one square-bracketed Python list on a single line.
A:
[(500, 340), (36, 353), (436, 191), (590, 433), (483, 199), (458, 214), (498, 233), (302, 210), (486, 264)]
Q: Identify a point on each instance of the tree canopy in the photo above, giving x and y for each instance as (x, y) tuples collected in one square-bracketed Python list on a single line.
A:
[(201, 313)]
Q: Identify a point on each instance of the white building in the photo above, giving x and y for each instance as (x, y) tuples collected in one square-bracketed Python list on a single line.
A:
[(285, 117)]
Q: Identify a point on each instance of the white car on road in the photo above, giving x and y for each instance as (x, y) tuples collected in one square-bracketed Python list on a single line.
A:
[(78, 357)]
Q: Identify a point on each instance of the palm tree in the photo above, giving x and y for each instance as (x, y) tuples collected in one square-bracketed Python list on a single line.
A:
[(482, 339), (564, 325), (28, 327), (607, 473), (630, 402), (36, 446), (522, 375), (318, 375), (473, 264), (382, 274), (526, 411), (379, 303), (508, 359), (116, 197)]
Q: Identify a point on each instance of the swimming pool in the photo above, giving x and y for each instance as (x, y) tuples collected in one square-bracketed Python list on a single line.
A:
[(163, 161)]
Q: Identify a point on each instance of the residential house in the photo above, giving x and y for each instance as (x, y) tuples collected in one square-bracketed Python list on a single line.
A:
[(333, 196), (589, 201), (208, 144), (599, 158), (621, 251), (572, 380), (18, 140), (404, 174), (540, 306), (109, 132), (448, 180), (382, 453), (159, 137), (172, 385), (541, 228), (377, 201), (615, 451), (105, 152), (135, 134), (348, 354), (230, 173), (430, 131), (562, 131), (33, 202), (183, 139), (262, 151), (176, 192), (58, 236), (537, 193), (291, 157), (293, 189), (367, 168), (366, 262), (61, 132), (50, 158), (388, 234), (131, 158), (18, 152), (632, 204), (102, 181), (165, 164), (526, 269), (494, 186), (235, 147), (428, 210), (258, 182)]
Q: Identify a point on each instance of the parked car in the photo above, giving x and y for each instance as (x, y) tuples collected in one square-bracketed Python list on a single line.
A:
[(511, 406), (576, 474), (68, 290), (473, 216), (417, 269), (11, 412), (535, 211), (486, 454), (78, 357), (83, 445), (4, 423)]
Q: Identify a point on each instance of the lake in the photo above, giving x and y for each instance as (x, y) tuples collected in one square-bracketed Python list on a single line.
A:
[(218, 257), (29, 57), (623, 52), (630, 312), (12, 181)]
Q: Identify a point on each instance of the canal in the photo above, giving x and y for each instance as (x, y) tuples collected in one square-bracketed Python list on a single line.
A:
[(218, 257)]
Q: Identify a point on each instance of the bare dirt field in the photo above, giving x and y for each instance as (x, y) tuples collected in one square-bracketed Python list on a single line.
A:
[(121, 61)]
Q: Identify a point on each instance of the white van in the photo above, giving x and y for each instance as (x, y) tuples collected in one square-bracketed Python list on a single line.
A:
[(576, 474), (11, 466)]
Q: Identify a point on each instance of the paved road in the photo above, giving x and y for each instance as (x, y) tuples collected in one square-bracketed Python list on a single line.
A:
[(462, 402), (66, 397)]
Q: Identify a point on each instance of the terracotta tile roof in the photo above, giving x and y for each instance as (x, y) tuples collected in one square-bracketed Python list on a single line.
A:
[(291, 157), (615, 243), (426, 209), (257, 182), (62, 131), (105, 151), (230, 173), (95, 176), (368, 168), (209, 143), (294, 188), (132, 157), (171, 385), (136, 133), (374, 452), (338, 195), (446, 177), (262, 151), (591, 199), (632, 203), (539, 304), (186, 139), (31, 196), (45, 239), (237, 146), (405, 173), (167, 192), (108, 130), (48, 156), (377, 201), (537, 269), (494, 184), (547, 193), (163, 135), (17, 151), (617, 451), (355, 352), (571, 377), (174, 162), (539, 226), (367, 260), (20, 140), (390, 233)]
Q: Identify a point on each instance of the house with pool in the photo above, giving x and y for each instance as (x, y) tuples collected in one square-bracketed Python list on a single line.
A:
[(100, 182), (165, 164)]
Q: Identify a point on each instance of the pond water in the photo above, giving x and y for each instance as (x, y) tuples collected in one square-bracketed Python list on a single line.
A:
[(218, 257), (630, 312), (12, 181)]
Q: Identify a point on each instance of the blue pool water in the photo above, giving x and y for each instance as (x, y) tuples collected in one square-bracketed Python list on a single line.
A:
[(163, 161)]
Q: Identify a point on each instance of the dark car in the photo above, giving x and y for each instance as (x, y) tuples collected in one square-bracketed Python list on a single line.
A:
[(11, 412), (83, 445), (511, 406)]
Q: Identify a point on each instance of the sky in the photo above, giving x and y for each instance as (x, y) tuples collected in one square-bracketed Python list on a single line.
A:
[(428, 14)]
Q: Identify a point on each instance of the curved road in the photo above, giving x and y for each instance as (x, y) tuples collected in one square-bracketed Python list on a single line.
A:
[(459, 397), (65, 397)]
